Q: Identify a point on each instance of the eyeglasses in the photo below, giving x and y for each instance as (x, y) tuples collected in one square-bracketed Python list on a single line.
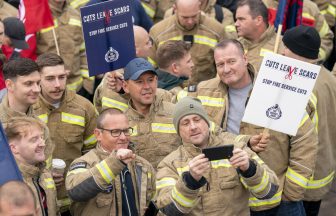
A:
[(117, 132)]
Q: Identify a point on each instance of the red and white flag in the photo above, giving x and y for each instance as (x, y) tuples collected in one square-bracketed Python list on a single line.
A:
[(36, 15)]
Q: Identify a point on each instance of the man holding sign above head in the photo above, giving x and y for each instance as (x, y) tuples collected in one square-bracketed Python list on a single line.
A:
[(291, 157), (303, 43), (193, 180)]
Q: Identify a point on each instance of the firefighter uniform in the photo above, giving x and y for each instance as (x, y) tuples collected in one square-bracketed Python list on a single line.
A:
[(203, 38), (323, 101), (71, 128), (221, 14), (68, 29), (256, 51), (7, 10), (43, 186), (77, 4), (162, 7), (226, 191), (93, 182), (292, 158), (150, 7), (6, 113), (311, 16), (328, 9)]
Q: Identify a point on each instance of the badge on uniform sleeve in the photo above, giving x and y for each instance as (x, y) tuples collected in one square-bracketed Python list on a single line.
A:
[(192, 88), (78, 165)]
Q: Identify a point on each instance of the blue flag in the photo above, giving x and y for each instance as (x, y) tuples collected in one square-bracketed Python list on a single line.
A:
[(289, 14), (8, 166), (108, 35)]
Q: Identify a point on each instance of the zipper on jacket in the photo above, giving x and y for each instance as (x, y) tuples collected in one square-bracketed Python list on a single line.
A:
[(39, 196), (124, 189)]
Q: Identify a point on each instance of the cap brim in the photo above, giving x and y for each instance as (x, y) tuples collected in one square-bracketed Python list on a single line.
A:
[(19, 44), (140, 72)]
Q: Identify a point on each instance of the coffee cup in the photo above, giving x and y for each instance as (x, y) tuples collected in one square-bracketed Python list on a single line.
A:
[(58, 166)]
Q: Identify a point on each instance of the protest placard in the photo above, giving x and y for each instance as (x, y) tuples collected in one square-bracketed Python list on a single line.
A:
[(108, 35), (281, 93)]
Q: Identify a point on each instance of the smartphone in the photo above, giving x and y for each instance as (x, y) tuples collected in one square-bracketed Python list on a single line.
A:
[(218, 152), (151, 210), (189, 39)]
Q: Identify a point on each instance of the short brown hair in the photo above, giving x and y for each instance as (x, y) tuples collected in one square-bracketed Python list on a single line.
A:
[(18, 127), (19, 67), (49, 60), (257, 8), (171, 51), (224, 43)]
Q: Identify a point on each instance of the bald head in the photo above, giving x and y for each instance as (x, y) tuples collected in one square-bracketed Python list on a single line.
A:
[(142, 41), (187, 12), (16, 198)]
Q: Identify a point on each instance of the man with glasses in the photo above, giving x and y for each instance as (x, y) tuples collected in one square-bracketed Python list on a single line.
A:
[(110, 179)]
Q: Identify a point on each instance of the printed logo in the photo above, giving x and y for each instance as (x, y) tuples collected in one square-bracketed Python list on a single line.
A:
[(111, 55), (274, 112)]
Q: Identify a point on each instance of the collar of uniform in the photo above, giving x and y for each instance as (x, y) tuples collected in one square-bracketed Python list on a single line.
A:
[(28, 170), (154, 107), (68, 95), (101, 152), (12, 113), (194, 150), (57, 8), (267, 35), (210, 5)]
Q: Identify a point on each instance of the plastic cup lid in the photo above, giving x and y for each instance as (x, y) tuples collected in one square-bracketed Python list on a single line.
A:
[(58, 164)]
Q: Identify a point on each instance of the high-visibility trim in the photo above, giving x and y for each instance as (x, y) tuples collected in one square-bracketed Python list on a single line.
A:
[(73, 86), (153, 63), (304, 119), (43, 117), (322, 53), (44, 30), (64, 202), (50, 184), (150, 11), (149, 175), (86, 75), (211, 101), (200, 39), (332, 10), (163, 128), (255, 202), (182, 200), (181, 94), (324, 30), (76, 3), (75, 22), (230, 28), (261, 186), (90, 141), (76, 171), (105, 172), (324, 12), (73, 119), (263, 51), (82, 47), (165, 182), (296, 178), (108, 102), (220, 163), (258, 159), (315, 184), (307, 15), (49, 162), (135, 131), (177, 38), (181, 170)]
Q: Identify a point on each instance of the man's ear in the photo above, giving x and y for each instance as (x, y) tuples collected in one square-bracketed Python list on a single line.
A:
[(13, 147), (9, 84), (174, 68), (125, 86), (97, 132)]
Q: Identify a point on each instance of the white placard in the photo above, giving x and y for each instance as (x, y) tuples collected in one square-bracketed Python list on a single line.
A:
[(281, 93)]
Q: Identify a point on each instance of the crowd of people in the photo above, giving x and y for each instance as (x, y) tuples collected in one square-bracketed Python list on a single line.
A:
[(136, 135)]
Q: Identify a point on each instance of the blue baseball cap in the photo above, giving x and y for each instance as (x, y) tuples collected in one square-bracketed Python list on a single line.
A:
[(136, 67)]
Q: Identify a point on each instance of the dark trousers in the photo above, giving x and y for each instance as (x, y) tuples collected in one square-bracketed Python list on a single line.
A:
[(312, 208), (290, 208), (269, 212)]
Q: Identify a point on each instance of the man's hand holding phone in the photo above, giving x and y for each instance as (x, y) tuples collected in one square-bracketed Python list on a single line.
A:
[(198, 166)]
